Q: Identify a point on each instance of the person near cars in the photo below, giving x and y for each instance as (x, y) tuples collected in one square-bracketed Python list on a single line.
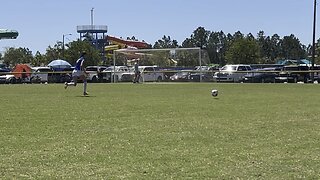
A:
[(79, 73), (136, 72)]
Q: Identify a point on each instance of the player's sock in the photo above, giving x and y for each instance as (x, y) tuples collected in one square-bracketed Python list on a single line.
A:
[(71, 84), (85, 87)]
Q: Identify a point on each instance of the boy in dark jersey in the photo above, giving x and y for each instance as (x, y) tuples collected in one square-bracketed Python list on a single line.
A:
[(79, 73)]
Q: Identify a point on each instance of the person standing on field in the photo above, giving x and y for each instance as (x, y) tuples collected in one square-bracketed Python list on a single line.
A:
[(79, 73), (136, 72)]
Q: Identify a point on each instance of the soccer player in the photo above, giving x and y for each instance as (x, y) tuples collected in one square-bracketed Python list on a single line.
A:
[(79, 73)]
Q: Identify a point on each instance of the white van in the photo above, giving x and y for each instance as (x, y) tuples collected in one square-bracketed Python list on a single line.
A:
[(147, 74), (232, 73), (150, 73)]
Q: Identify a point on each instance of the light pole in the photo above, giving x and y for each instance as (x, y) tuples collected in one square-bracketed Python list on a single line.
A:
[(63, 36), (92, 17), (314, 37)]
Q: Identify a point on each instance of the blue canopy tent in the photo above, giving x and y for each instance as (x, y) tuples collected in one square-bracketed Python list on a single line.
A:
[(294, 62), (59, 65)]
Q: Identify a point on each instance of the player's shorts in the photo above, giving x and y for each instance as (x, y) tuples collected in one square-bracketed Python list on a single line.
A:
[(78, 73)]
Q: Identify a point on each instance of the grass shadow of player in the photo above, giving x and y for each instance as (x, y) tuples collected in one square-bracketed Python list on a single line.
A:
[(88, 96)]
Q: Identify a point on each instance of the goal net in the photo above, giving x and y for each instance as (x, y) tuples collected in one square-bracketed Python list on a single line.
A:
[(168, 61), (173, 57)]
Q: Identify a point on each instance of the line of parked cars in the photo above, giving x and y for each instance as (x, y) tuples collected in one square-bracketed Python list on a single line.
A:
[(248, 74), (228, 73), (35, 75)]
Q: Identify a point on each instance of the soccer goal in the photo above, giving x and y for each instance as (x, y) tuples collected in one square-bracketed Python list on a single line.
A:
[(167, 61)]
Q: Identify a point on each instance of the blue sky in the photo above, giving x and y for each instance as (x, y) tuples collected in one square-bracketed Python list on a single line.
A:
[(42, 22)]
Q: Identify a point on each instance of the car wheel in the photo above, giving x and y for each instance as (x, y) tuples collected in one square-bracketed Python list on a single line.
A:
[(116, 78), (12, 81), (94, 79)]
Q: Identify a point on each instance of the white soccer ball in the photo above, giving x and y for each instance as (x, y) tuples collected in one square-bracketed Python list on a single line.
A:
[(214, 92)]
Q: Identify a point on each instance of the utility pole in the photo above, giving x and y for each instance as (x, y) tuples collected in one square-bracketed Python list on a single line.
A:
[(314, 38), (63, 37)]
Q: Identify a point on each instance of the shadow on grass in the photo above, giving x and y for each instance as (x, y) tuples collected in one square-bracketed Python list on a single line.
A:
[(82, 96)]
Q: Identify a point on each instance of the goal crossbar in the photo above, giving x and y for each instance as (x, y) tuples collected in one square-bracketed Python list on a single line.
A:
[(148, 50)]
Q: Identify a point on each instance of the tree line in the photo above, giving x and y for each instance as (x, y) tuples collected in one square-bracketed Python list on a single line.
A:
[(240, 48), (221, 49)]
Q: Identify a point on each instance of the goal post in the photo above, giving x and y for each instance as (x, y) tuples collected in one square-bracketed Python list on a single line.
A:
[(166, 59)]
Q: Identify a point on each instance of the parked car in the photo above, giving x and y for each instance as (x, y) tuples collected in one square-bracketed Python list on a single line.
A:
[(206, 73), (232, 73), (265, 75), (41, 74), (4, 69), (293, 74), (148, 74), (114, 72), (181, 76), (95, 73), (316, 74), (47, 74), (7, 79)]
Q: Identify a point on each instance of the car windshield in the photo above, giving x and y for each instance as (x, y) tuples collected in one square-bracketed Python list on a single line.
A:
[(201, 68), (229, 68), (91, 69), (182, 73), (111, 68)]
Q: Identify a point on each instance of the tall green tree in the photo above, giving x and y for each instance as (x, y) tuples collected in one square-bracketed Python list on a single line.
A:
[(13, 56), (72, 52), (274, 48), (166, 42), (265, 47), (238, 35), (291, 48), (200, 37), (75, 48), (216, 47), (243, 51), (54, 52), (39, 60), (188, 43)]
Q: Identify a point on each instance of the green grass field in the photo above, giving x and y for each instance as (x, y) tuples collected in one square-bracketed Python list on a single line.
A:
[(160, 131)]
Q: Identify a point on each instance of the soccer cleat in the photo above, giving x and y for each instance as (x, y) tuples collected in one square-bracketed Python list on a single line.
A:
[(65, 85), (85, 94)]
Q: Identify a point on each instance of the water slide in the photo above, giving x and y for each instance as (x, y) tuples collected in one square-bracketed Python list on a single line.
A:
[(119, 43), (126, 43), (8, 34)]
